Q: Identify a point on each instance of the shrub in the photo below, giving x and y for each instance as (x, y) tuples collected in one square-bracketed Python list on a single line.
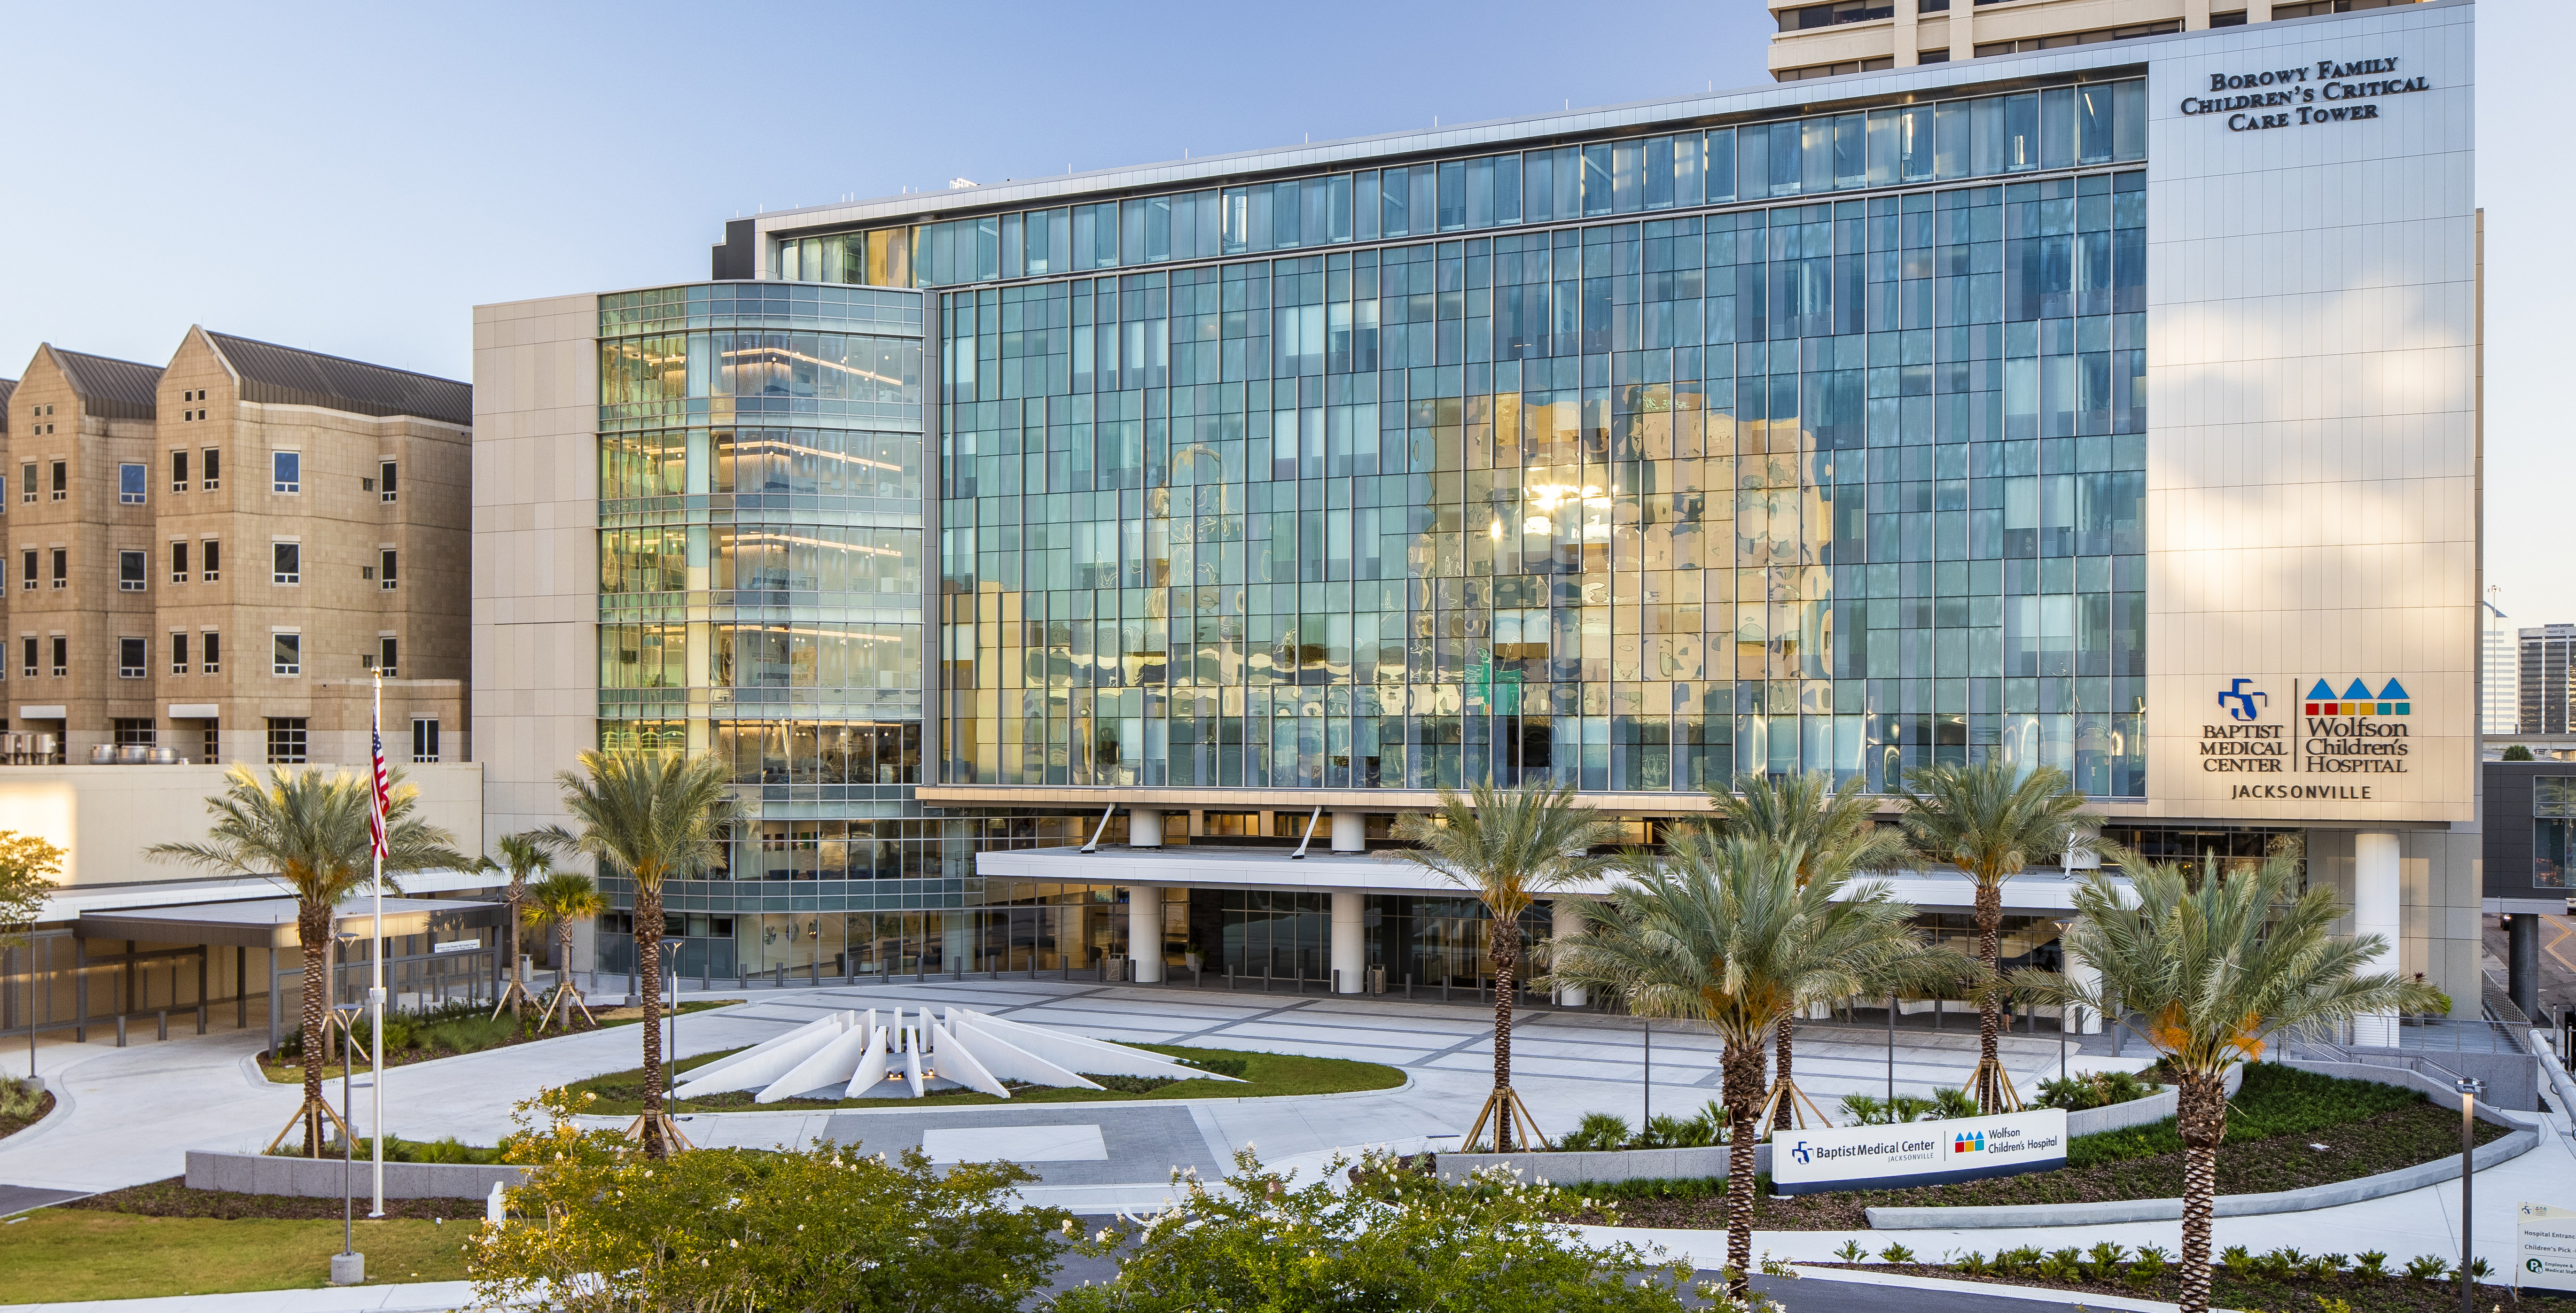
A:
[(1972, 1263), (20, 1098), (1131, 1084), (1866, 1111), (1953, 1103), (1234, 1067), (1666, 1131), (2101, 1089), (2149, 1267), (2102, 1258), (1597, 1130), (732, 1228), (1265, 1240), (1896, 1254), (1851, 1252), (2371, 1266), (2428, 1267)]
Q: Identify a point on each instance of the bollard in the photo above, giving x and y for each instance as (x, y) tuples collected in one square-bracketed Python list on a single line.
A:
[(201, 1018), (781, 982), (120, 1030), (162, 1018), (705, 972)]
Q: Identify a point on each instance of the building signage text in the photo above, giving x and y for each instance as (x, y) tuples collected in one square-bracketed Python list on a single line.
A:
[(2327, 92), (2358, 730), (1917, 1153)]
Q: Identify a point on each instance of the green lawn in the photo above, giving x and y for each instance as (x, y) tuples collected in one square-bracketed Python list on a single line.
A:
[(620, 1093), (69, 1254)]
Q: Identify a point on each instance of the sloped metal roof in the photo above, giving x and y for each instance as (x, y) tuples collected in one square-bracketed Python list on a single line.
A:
[(288, 375), (8, 388), (111, 388)]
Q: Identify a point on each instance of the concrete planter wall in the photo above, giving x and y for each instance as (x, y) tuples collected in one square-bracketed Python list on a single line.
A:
[(1611, 1165), (245, 1173)]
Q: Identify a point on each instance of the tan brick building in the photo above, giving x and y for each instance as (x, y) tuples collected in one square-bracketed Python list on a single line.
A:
[(217, 555), (1827, 38)]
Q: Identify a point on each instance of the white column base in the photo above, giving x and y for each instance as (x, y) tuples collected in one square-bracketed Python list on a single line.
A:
[(1350, 943), (1145, 933)]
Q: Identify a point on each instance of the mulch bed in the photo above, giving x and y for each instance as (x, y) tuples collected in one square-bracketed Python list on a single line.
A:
[(2388, 1295), (2379, 1143), (12, 1125), (173, 1198)]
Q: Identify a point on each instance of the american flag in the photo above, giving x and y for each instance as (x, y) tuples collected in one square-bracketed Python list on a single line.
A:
[(382, 800)]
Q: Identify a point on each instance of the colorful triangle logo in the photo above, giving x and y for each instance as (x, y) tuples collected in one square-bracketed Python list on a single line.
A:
[(2322, 692), (2358, 692), (2394, 692)]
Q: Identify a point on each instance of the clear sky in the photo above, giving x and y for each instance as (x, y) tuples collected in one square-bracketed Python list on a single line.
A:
[(353, 178)]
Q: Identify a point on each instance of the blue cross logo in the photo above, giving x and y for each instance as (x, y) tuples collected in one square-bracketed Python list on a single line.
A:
[(2242, 702)]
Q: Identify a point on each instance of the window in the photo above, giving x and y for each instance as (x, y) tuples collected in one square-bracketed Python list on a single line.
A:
[(2553, 810), (27, 654), (131, 658), (387, 662), (286, 471), (27, 560), (62, 655), (211, 647), (286, 739), (286, 565), (385, 570), (385, 481), (135, 733), (178, 471), (62, 568), (211, 558), (129, 571), (179, 561), (179, 653), (62, 480), (129, 485), (212, 467), (27, 481), (286, 655), (424, 740)]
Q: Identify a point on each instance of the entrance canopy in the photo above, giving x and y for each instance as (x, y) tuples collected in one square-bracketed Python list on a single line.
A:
[(270, 922)]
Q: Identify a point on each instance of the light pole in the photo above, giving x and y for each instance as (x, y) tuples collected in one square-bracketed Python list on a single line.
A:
[(2469, 1091), (671, 1045)]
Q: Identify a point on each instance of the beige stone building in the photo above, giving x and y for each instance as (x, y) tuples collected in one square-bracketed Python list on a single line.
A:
[(1825, 38), (216, 556)]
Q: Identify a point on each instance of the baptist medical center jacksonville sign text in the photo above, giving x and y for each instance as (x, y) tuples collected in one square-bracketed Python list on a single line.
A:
[(2340, 727), (2329, 92), (1917, 1153)]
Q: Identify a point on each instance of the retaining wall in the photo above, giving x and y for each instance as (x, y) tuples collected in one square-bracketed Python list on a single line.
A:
[(321, 1178)]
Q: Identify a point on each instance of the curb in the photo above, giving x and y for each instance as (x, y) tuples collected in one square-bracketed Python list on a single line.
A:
[(2354, 1191)]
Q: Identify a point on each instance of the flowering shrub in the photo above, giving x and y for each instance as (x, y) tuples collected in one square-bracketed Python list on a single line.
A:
[(601, 1229), (1396, 1241)]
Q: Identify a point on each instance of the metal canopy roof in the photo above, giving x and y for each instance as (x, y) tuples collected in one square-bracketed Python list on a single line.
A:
[(270, 922)]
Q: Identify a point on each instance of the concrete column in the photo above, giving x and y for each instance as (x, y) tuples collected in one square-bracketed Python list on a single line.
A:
[(1905, 36), (2082, 973), (1568, 922), (1144, 827), (2375, 898), (1350, 831), (1145, 930), (2522, 966), (1350, 943)]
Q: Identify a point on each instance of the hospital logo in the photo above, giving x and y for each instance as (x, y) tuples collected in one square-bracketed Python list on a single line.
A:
[(2241, 699), (2357, 700), (1968, 1142)]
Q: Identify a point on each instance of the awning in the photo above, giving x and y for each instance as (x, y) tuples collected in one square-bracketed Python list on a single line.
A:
[(270, 922)]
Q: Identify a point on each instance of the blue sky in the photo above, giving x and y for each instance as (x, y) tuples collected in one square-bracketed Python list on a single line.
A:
[(354, 178)]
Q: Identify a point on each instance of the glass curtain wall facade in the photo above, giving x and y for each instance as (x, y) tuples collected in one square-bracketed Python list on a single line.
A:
[(1814, 445), (761, 595)]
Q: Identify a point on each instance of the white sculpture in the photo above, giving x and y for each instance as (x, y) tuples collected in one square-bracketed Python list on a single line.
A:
[(968, 1050)]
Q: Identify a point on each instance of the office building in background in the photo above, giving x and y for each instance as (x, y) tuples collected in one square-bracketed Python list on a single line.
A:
[(1835, 37)]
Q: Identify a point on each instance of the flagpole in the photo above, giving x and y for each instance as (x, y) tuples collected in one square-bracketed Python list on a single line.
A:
[(376, 956)]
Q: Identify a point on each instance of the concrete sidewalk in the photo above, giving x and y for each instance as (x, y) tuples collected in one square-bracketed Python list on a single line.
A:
[(418, 1297)]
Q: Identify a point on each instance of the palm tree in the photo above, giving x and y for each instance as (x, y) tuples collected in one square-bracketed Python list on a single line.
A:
[(1509, 846), (1834, 830), (309, 833), (1721, 930), (2216, 969), (1990, 821), (652, 815), (524, 856), (562, 899)]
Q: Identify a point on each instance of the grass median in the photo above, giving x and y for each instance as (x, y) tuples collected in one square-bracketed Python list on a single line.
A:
[(64, 1255), (1264, 1074)]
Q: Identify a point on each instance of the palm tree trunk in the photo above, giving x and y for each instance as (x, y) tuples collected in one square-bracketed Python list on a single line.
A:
[(1743, 1092), (1504, 939), (313, 936), (648, 969), (1781, 1045), (2203, 1123), (1990, 921)]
